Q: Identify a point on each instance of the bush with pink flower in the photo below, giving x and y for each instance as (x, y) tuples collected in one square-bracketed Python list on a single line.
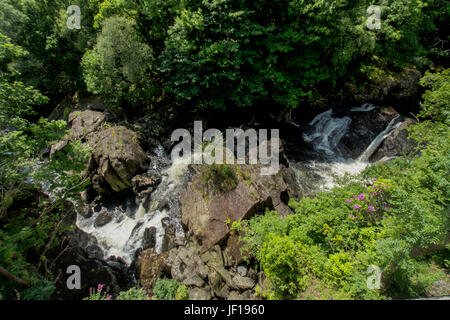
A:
[(371, 206), (98, 294)]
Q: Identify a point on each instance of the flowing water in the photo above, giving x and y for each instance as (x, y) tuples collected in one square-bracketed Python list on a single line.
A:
[(326, 162), (125, 234)]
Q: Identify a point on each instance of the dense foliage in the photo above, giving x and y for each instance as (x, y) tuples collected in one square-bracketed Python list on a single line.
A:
[(30, 221), (218, 53)]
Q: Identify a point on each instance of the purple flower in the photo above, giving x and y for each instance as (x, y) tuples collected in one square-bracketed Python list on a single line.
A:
[(371, 208), (100, 287), (357, 217), (356, 207), (348, 200), (351, 216), (361, 196), (374, 179)]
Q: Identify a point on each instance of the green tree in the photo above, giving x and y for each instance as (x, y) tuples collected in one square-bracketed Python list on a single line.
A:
[(120, 66)]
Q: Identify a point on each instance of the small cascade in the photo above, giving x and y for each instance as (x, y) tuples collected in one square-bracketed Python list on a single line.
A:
[(365, 156), (327, 132), (126, 232)]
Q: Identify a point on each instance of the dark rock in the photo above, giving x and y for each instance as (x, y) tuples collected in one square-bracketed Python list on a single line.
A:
[(149, 240), (144, 184), (397, 144), (150, 266), (103, 219)]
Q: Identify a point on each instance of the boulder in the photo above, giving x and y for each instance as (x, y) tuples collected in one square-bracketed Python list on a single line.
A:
[(103, 219), (150, 266), (234, 250), (243, 283), (144, 184), (187, 267), (206, 209), (83, 123), (118, 156)]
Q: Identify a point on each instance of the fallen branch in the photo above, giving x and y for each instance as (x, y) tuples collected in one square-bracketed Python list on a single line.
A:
[(13, 278)]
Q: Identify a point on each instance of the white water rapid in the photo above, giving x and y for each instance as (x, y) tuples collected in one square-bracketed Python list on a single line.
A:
[(124, 235)]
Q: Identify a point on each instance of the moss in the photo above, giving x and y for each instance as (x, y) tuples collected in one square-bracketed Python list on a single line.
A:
[(220, 177)]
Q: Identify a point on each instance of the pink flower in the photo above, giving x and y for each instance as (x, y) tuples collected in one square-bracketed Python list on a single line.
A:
[(361, 196), (100, 287), (348, 200), (371, 208), (109, 297), (356, 207), (374, 179), (351, 216)]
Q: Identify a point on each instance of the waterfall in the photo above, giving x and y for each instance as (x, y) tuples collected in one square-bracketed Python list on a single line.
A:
[(327, 132), (320, 172), (365, 156)]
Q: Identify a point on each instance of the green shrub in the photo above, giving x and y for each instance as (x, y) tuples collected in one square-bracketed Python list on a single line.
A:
[(182, 293), (166, 289), (133, 294)]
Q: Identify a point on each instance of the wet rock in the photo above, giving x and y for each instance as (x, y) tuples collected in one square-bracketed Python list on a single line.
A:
[(82, 250), (168, 241), (397, 144), (85, 211), (145, 183), (103, 219), (364, 128), (150, 266), (149, 240), (199, 294)]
